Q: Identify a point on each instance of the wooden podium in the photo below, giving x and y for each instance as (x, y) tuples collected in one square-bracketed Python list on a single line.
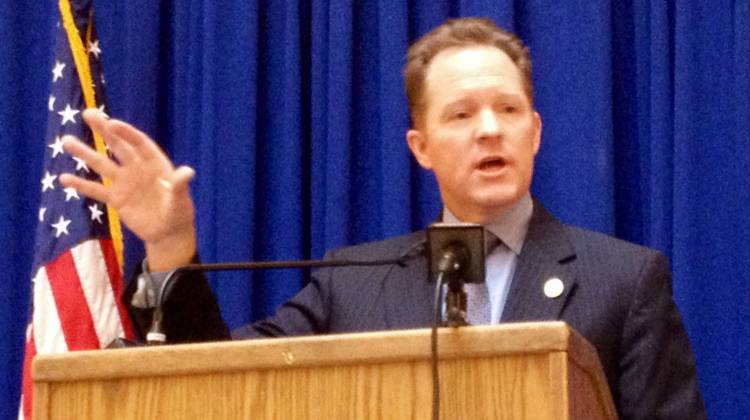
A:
[(535, 371)]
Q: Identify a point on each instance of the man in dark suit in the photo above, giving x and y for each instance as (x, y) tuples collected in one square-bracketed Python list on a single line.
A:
[(475, 127)]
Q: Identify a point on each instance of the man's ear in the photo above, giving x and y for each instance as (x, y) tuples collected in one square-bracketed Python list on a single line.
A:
[(418, 145), (538, 132)]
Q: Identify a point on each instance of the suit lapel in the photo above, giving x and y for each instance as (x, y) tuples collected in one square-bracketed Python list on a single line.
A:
[(546, 254)]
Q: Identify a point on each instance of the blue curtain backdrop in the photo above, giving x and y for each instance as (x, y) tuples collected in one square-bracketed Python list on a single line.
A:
[(293, 115)]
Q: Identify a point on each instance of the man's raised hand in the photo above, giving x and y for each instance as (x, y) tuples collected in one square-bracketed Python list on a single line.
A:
[(148, 192)]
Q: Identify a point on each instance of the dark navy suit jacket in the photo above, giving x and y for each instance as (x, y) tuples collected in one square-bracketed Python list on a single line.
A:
[(618, 295)]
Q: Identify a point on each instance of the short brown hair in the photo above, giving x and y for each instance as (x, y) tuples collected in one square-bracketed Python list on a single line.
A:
[(463, 32)]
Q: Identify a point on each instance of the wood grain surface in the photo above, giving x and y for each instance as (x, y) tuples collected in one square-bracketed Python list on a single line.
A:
[(513, 371)]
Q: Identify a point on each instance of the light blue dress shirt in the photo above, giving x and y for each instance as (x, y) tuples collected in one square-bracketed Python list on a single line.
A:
[(501, 260)]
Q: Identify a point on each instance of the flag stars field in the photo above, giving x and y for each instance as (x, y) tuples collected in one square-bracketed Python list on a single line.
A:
[(68, 114), (96, 214), (57, 72), (71, 193), (81, 165), (61, 227), (48, 182), (93, 48), (57, 147)]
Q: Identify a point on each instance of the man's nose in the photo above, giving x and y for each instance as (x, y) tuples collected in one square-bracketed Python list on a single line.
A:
[(489, 124)]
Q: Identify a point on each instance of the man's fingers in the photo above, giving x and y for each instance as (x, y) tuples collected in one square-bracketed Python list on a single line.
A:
[(125, 141), (181, 177), (101, 124), (101, 164), (95, 119), (178, 180), (91, 189), (141, 143), (123, 151)]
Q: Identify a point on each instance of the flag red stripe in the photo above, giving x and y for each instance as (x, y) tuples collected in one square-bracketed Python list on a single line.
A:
[(115, 279), (72, 307), (26, 387)]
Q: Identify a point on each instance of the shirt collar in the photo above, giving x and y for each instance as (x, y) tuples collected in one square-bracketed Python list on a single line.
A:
[(510, 227)]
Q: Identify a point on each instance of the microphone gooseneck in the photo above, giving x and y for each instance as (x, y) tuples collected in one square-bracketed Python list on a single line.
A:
[(156, 334)]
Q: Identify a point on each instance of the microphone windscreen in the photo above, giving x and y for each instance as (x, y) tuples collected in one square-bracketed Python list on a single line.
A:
[(468, 237)]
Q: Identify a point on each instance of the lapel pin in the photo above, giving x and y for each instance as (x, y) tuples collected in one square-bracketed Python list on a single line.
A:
[(553, 288)]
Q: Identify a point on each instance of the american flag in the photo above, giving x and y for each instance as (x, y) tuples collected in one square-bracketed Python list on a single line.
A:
[(77, 276)]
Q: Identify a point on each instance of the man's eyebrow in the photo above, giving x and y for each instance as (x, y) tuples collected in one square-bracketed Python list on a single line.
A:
[(458, 103), (453, 105), (510, 95), (468, 99)]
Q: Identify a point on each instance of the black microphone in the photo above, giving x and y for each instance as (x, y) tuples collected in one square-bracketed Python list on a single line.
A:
[(456, 254), (457, 249), (156, 333)]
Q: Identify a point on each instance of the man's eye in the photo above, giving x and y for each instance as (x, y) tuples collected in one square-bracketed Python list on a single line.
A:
[(509, 109), (461, 115)]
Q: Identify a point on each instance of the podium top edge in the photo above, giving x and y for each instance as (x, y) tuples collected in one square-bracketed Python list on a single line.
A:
[(311, 351)]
